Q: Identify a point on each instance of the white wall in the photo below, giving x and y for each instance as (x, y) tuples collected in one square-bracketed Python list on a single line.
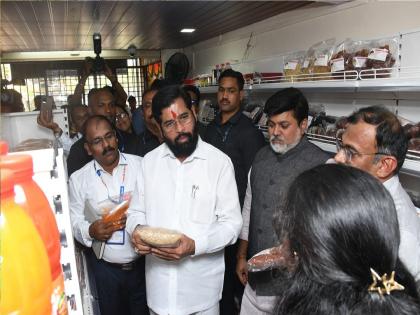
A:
[(298, 30)]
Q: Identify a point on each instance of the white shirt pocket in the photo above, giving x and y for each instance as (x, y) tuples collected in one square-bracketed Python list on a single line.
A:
[(201, 204)]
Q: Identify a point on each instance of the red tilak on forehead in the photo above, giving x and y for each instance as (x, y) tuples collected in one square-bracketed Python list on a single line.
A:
[(174, 115)]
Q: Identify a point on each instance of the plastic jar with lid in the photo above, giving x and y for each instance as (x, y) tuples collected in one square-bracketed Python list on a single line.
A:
[(25, 277), (32, 199)]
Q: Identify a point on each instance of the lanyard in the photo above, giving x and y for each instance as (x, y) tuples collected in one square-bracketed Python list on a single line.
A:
[(99, 173)]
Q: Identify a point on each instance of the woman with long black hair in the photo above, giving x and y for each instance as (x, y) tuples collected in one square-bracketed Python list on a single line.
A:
[(343, 231)]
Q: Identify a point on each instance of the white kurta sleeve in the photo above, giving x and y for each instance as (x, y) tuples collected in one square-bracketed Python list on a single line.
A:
[(246, 211), (136, 213), (228, 224)]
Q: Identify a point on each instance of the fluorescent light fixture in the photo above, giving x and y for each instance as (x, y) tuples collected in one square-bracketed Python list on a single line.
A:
[(187, 30)]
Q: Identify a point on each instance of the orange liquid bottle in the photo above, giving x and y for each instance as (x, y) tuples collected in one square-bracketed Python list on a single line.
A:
[(25, 277), (4, 147), (32, 199)]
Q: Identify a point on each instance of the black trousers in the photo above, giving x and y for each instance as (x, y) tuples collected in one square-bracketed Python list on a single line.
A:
[(232, 287), (119, 291)]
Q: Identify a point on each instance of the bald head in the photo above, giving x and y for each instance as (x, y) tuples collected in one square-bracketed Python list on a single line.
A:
[(101, 102)]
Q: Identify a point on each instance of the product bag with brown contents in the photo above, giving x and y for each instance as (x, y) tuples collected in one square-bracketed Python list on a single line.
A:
[(323, 52), (292, 66), (342, 60), (278, 257), (307, 65), (360, 54), (382, 58)]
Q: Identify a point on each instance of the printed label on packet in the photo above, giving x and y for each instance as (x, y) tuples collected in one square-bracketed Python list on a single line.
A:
[(359, 62), (291, 65), (321, 60), (337, 64), (378, 54)]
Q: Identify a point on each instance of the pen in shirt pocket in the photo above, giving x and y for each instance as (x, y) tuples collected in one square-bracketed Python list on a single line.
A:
[(194, 189)]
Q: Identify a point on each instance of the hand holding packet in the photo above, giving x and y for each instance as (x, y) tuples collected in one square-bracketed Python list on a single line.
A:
[(113, 211), (278, 257)]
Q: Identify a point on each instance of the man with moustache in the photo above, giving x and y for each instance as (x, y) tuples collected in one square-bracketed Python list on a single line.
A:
[(151, 137), (100, 102), (273, 170), (189, 186), (106, 180), (234, 134), (374, 141)]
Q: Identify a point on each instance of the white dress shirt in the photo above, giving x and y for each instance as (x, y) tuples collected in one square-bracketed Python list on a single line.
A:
[(409, 224), (67, 142), (90, 186), (246, 210), (199, 198)]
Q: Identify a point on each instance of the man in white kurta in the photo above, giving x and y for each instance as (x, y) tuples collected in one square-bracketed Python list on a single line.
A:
[(189, 186)]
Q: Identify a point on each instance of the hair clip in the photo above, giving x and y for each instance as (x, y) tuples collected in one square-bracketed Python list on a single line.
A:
[(385, 285)]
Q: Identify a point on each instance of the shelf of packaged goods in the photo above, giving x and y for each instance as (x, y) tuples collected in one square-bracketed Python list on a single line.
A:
[(372, 80)]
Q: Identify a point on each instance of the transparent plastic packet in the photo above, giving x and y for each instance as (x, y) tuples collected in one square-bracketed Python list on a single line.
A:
[(114, 208), (323, 51), (158, 236), (307, 65), (292, 68), (278, 257), (342, 60), (382, 57), (360, 49)]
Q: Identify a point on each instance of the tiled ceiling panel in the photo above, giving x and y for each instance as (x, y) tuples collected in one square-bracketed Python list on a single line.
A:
[(69, 25)]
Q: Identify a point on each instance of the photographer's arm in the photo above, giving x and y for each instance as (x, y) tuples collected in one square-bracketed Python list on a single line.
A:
[(80, 87), (120, 94)]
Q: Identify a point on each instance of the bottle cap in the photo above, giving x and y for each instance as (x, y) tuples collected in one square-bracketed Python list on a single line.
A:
[(20, 164), (4, 147)]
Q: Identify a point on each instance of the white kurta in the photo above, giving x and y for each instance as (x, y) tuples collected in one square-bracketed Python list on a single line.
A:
[(409, 224), (199, 198)]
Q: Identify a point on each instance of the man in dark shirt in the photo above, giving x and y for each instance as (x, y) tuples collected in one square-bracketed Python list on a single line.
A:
[(100, 102), (234, 134), (195, 95)]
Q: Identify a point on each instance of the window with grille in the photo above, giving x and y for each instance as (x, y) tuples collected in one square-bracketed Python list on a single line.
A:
[(61, 83)]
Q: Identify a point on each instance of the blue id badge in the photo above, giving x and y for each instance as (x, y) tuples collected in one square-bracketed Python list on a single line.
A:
[(121, 193), (117, 238)]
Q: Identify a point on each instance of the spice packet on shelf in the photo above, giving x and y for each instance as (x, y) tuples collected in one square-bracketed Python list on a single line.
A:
[(323, 51), (158, 236), (272, 258), (292, 66)]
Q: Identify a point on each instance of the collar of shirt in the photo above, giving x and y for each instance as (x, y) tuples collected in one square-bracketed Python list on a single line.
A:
[(233, 120), (392, 184), (199, 152), (122, 161)]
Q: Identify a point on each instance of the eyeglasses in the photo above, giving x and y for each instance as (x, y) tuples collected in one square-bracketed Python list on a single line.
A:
[(99, 141), (183, 119), (349, 152), (120, 116)]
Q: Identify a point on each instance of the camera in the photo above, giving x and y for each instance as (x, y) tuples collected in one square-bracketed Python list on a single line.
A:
[(98, 64)]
